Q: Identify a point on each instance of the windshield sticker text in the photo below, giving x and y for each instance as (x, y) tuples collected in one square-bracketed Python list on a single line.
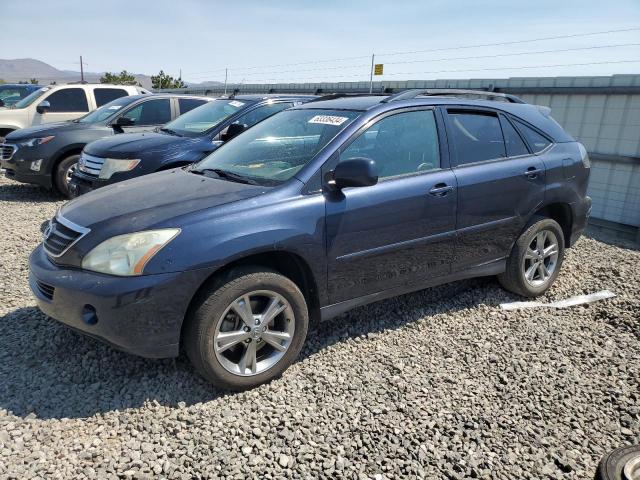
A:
[(328, 120)]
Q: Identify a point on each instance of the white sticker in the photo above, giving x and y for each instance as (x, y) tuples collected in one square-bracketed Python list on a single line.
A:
[(235, 103), (114, 107), (328, 120)]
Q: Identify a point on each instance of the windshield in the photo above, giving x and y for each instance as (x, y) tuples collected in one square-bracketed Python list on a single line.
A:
[(275, 149), (206, 117), (29, 99), (107, 110), (10, 94)]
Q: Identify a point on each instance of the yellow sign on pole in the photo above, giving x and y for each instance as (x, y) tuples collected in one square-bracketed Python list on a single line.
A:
[(378, 69)]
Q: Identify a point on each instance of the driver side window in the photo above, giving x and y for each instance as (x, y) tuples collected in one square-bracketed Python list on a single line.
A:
[(258, 114), (151, 112), (401, 144)]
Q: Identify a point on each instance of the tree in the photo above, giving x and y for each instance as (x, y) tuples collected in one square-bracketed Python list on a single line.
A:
[(162, 80), (123, 78), (33, 81)]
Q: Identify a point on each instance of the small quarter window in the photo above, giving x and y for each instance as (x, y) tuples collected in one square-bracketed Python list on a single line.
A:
[(476, 136), (512, 139), (535, 140)]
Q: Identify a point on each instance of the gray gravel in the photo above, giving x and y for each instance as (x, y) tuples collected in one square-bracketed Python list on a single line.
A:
[(436, 384)]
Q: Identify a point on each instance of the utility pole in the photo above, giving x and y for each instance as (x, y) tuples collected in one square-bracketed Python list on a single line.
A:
[(81, 70), (226, 71), (371, 75)]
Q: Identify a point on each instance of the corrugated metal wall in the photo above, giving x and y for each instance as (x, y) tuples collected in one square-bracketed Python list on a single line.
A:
[(601, 112)]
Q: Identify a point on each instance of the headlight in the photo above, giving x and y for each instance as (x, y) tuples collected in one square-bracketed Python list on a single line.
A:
[(126, 255), (113, 165), (37, 141)]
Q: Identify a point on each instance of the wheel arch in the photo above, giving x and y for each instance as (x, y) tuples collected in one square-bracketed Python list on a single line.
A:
[(288, 264), (560, 212)]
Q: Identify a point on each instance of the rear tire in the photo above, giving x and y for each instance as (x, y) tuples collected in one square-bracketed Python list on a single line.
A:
[(237, 349), (621, 464), (535, 259), (63, 172)]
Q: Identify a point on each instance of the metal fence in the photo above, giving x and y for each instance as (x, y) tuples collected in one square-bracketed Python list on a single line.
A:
[(601, 112)]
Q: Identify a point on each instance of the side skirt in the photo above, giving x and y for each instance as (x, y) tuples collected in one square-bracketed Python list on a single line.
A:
[(492, 268)]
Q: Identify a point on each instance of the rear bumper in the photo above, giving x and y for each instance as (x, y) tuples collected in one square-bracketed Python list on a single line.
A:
[(581, 213), (141, 315)]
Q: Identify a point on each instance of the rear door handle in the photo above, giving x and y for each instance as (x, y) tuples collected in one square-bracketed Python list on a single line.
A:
[(533, 172), (440, 190)]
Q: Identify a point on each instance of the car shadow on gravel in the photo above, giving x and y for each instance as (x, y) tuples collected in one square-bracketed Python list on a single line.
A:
[(20, 192), (53, 372)]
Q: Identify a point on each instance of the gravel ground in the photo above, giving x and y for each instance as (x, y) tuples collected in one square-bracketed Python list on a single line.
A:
[(436, 384)]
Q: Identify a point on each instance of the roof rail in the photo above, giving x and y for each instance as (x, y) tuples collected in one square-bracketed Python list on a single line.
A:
[(453, 92), (332, 96)]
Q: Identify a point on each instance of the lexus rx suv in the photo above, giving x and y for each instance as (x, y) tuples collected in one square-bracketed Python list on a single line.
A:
[(47, 154), (185, 140), (318, 209)]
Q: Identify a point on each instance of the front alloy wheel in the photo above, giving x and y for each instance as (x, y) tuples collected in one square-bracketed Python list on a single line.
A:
[(246, 328), (254, 332)]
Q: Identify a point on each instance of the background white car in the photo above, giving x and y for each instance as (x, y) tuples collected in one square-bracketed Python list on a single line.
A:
[(57, 103)]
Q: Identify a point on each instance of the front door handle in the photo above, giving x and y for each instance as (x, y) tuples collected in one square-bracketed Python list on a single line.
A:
[(440, 190), (533, 172)]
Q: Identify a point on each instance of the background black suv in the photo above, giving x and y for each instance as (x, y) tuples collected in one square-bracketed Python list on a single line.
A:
[(185, 140), (47, 154)]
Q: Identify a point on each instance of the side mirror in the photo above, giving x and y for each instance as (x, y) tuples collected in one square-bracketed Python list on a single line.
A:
[(233, 130), (354, 172), (125, 122), (43, 107)]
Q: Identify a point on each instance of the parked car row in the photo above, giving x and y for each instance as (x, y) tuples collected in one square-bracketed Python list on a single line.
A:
[(329, 204)]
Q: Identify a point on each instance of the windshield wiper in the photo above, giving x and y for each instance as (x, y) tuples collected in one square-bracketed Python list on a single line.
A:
[(234, 177), (170, 132)]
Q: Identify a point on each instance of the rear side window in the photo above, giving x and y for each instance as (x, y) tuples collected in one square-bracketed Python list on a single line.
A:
[(476, 136), (105, 95), (187, 104), (401, 144), (258, 114), (151, 112), (512, 139), (68, 100), (535, 140)]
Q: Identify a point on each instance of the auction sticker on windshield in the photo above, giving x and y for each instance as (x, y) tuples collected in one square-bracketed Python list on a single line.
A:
[(235, 103), (328, 119)]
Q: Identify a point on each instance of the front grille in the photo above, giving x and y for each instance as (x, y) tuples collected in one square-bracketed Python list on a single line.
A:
[(7, 150), (90, 165), (60, 235), (46, 290)]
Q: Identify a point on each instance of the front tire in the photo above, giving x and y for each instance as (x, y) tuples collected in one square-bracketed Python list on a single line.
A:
[(63, 173), (247, 329), (620, 464), (535, 260)]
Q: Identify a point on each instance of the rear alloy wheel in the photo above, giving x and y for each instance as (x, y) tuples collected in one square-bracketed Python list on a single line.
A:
[(535, 259), (64, 172), (246, 329)]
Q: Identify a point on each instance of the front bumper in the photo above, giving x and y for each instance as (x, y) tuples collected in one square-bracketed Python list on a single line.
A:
[(81, 184), (18, 168), (141, 315)]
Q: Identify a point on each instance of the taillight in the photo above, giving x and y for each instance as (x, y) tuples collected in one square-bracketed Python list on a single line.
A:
[(584, 156)]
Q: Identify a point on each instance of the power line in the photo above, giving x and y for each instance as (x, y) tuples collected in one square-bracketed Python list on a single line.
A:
[(269, 80), (513, 42), (340, 67)]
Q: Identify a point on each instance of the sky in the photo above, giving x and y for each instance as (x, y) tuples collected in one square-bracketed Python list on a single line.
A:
[(328, 40)]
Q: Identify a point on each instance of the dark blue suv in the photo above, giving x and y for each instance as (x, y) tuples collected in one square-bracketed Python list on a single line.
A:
[(314, 211)]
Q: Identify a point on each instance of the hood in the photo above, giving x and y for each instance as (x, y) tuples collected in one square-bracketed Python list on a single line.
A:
[(130, 145), (46, 129), (151, 200)]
